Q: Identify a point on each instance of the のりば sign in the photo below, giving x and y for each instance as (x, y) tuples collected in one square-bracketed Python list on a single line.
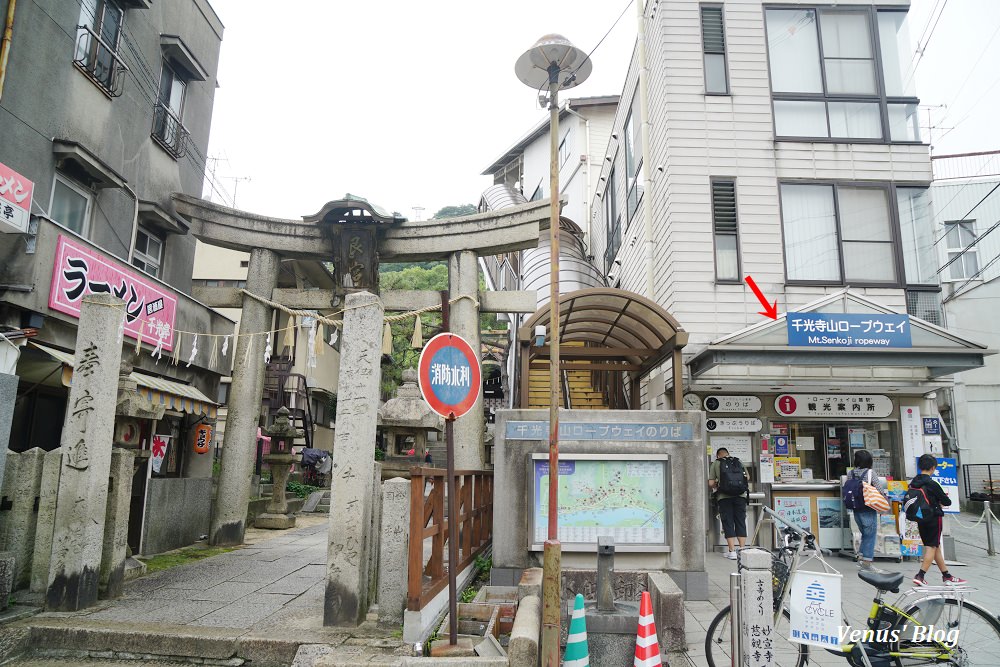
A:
[(79, 270)]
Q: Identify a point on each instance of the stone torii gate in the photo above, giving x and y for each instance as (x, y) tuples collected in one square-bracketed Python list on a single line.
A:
[(354, 235)]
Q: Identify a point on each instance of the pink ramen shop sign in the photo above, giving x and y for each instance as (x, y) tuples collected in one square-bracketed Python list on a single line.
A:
[(80, 271)]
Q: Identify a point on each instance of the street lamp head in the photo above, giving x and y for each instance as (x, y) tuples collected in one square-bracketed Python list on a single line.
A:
[(556, 56)]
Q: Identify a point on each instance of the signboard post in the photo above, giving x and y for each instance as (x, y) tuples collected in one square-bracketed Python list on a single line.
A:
[(450, 380)]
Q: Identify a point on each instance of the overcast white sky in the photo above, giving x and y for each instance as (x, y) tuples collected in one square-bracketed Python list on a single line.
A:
[(406, 103)]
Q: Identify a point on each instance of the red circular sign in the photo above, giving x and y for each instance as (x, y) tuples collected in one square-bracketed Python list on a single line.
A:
[(449, 374), (786, 405)]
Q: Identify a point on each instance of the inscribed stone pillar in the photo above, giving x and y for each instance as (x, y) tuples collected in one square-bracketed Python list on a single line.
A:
[(8, 395), (21, 482), (46, 519), (239, 446), (463, 278), (393, 554), (78, 536), (352, 477), (116, 523)]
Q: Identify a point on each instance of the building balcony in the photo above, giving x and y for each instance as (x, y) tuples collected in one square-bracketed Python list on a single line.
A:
[(169, 132), (99, 61)]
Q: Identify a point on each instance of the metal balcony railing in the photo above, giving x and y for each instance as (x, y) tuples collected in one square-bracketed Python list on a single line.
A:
[(99, 61), (169, 132)]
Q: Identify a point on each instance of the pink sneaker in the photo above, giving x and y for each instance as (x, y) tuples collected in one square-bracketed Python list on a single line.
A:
[(919, 581), (953, 580)]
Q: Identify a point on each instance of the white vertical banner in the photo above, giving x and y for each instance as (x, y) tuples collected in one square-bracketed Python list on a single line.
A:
[(766, 469), (816, 617), (913, 437), (159, 451)]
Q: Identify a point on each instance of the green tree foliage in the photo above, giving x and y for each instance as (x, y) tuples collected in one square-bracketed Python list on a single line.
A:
[(454, 211), (417, 277)]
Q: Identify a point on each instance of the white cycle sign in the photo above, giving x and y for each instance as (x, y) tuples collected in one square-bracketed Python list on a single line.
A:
[(816, 616)]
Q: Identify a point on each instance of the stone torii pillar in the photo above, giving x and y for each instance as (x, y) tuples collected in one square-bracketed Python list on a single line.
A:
[(463, 278), (239, 445)]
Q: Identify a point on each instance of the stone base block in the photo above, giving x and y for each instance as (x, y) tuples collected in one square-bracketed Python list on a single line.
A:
[(611, 635), (522, 650), (6, 577), (465, 646), (274, 521), (668, 611), (530, 583)]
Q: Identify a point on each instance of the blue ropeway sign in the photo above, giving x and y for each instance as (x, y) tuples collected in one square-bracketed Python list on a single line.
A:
[(867, 330)]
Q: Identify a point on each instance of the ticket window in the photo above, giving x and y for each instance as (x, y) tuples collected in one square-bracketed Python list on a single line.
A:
[(828, 449)]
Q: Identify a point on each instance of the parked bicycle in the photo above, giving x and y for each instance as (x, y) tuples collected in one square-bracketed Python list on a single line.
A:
[(931, 625)]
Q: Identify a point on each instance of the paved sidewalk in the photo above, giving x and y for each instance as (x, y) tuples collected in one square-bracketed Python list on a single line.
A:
[(981, 570), (261, 601)]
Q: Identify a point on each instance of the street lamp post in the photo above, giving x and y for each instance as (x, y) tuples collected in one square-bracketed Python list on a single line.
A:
[(551, 58)]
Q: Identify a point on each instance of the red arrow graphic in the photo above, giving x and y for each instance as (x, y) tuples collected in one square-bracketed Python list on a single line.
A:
[(770, 310)]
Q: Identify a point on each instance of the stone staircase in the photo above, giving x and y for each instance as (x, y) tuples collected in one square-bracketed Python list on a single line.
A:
[(582, 395)]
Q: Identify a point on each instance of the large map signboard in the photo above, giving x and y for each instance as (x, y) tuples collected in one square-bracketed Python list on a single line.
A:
[(624, 498)]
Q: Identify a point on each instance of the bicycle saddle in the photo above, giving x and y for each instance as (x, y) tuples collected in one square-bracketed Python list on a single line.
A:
[(884, 581)]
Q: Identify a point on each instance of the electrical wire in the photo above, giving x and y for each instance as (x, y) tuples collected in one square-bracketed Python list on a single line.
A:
[(572, 75)]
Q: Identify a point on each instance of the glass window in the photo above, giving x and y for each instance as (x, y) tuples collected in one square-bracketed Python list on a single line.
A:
[(843, 84), (148, 252), (897, 56), (810, 228), (847, 55), (917, 235), (70, 205), (612, 222), (167, 126), (845, 233), (633, 162), (563, 150), (793, 51), (958, 237), (855, 120), (793, 118), (904, 124), (713, 37)]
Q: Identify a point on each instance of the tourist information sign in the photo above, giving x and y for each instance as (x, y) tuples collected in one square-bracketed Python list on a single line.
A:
[(450, 377)]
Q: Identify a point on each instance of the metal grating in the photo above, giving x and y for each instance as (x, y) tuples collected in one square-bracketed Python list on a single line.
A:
[(925, 305), (724, 206), (712, 31), (982, 481)]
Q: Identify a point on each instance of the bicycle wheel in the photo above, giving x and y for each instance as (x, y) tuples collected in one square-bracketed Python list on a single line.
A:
[(974, 631), (717, 643)]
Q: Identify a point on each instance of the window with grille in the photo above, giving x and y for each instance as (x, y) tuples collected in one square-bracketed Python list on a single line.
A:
[(926, 305), (97, 42), (713, 37), (725, 227)]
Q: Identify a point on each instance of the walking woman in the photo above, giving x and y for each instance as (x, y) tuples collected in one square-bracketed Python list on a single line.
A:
[(866, 517)]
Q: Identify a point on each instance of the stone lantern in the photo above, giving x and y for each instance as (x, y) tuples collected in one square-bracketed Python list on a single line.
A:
[(280, 460), (406, 420)]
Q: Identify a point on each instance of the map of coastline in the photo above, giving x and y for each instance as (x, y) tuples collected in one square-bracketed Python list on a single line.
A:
[(623, 499)]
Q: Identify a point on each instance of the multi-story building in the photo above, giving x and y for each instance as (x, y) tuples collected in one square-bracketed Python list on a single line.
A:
[(106, 110), (966, 205), (781, 143)]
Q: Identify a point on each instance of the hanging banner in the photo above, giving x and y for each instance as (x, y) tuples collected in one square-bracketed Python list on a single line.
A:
[(159, 451), (913, 437), (816, 617), (79, 270), (202, 438)]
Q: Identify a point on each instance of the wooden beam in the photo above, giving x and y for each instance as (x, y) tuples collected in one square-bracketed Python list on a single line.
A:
[(595, 352), (575, 366)]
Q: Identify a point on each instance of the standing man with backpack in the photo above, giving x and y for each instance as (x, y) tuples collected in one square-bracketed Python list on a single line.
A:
[(729, 480), (924, 501)]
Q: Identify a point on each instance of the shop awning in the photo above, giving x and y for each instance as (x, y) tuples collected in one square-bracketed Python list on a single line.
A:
[(172, 395)]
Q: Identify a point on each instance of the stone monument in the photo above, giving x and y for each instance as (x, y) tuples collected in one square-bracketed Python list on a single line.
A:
[(352, 477), (78, 535), (276, 515)]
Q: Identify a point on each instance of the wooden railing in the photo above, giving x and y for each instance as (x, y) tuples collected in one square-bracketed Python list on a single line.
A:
[(474, 510)]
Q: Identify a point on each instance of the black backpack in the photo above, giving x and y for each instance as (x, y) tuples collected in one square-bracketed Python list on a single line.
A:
[(853, 493), (732, 481), (917, 506)]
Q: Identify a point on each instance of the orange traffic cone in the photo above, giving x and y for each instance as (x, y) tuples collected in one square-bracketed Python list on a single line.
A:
[(647, 647)]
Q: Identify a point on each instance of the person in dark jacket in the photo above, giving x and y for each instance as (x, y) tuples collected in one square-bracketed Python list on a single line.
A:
[(867, 518), (930, 528)]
